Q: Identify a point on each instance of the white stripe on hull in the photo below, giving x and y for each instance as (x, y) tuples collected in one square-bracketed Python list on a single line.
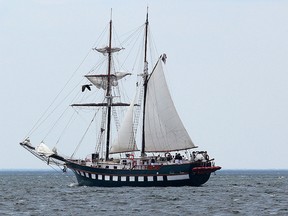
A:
[(177, 177), (150, 178), (160, 178), (133, 178)]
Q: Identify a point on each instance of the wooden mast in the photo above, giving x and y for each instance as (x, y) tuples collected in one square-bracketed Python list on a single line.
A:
[(145, 77), (108, 93)]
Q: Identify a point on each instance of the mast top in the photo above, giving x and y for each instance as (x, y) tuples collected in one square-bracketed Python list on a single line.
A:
[(146, 38), (111, 14), (147, 15)]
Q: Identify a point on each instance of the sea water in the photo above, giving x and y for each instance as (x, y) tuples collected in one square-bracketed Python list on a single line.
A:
[(230, 192)]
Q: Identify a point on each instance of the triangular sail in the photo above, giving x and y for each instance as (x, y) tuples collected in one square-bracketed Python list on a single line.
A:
[(164, 130), (125, 140)]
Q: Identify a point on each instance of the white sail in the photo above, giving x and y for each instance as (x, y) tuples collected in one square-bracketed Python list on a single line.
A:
[(125, 140), (164, 130), (105, 50), (101, 81), (44, 149)]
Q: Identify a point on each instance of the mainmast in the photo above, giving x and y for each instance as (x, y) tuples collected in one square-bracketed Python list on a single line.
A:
[(108, 92), (145, 78)]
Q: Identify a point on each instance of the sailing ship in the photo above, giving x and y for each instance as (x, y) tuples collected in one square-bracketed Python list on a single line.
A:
[(166, 156)]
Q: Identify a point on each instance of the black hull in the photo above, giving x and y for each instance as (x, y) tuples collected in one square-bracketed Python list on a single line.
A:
[(159, 176)]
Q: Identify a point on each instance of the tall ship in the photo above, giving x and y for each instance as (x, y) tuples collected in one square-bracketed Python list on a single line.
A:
[(138, 142)]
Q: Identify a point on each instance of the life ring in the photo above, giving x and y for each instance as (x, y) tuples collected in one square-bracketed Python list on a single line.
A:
[(131, 157)]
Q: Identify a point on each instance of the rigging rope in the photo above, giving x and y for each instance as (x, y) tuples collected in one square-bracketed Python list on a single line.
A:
[(84, 135), (102, 132), (37, 124), (40, 121), (65, 128)]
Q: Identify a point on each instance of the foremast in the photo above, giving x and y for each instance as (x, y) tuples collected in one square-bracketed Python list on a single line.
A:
[(106, 82), (145, 81)]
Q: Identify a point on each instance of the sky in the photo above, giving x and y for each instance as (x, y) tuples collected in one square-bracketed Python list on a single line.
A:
[(227, 63)]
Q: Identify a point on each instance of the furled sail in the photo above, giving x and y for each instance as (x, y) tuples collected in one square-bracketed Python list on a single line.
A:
[(44, 149), (164, 130), (101, 81), (107, 49), (125, 140)]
